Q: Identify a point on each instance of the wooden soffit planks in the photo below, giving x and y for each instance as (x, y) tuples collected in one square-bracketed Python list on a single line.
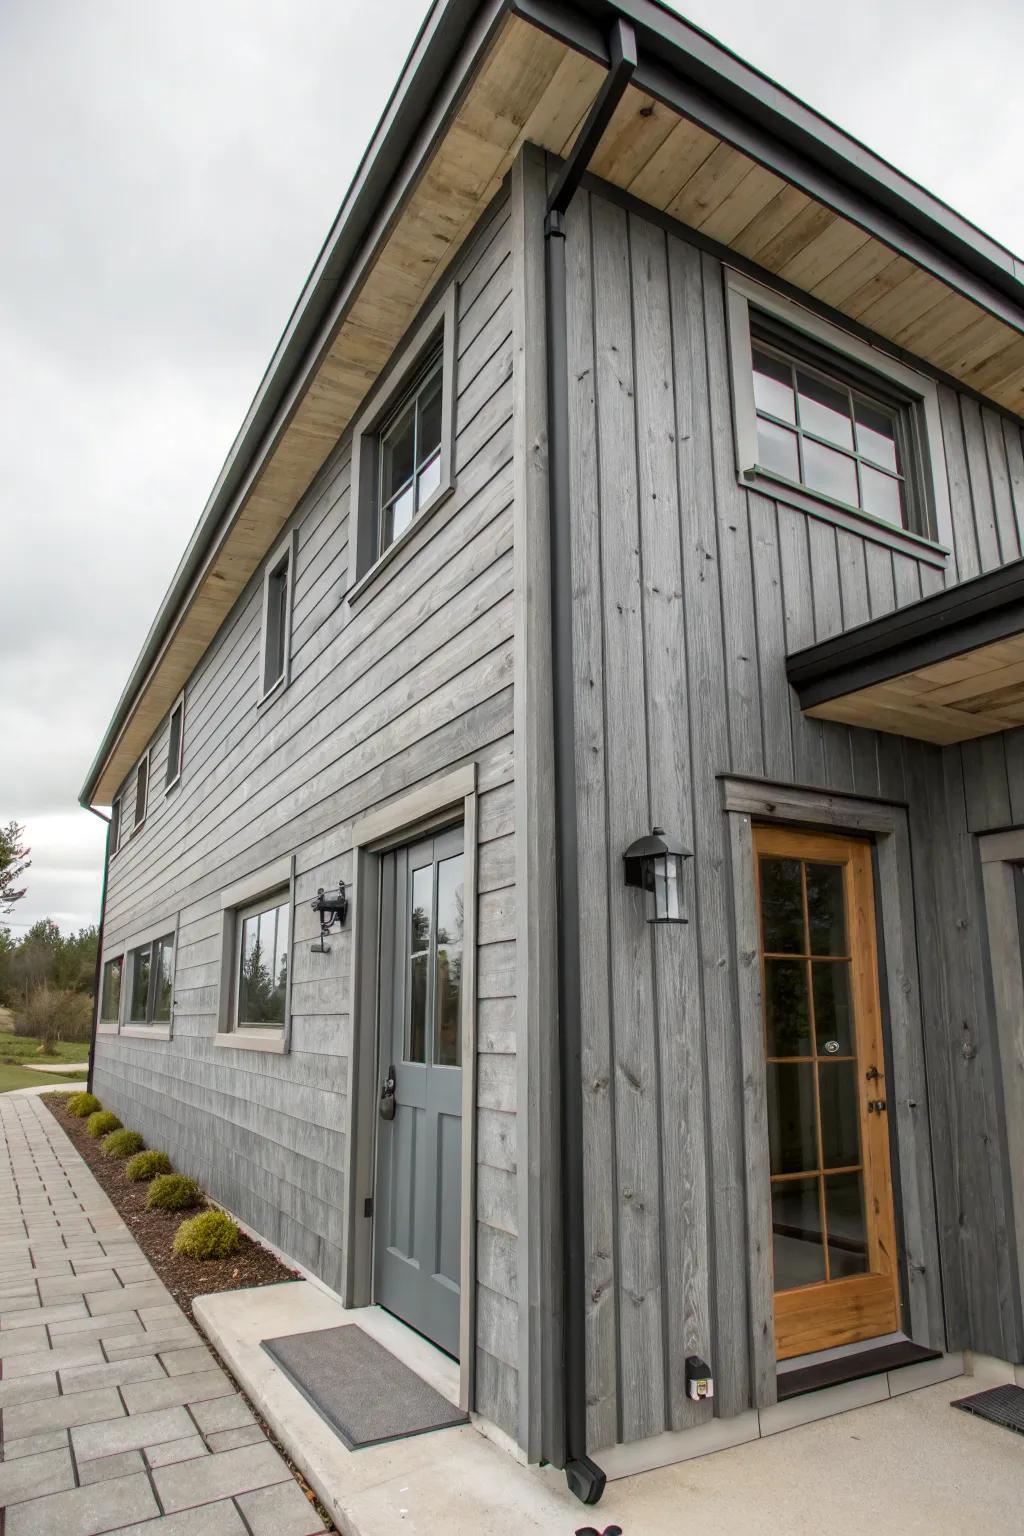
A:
[(974, 694), (531, 88)]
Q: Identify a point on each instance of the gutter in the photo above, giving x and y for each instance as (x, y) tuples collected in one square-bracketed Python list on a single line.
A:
[(585, 1478)]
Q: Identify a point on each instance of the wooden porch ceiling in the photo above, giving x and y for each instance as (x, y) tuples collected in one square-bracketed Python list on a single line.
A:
[(532, 87), (945, 669)]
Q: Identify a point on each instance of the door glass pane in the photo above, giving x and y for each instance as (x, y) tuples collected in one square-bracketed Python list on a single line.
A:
[(825, 410), (787, 1017), (140, 985), (421, 913), (847, 1233), (833, 1026), (448, 1041), (782, 909), (792, 1141), (826, 909), (830, 472), (796, 1234), (163, 955), (777, 450), (773, 386), (840, 1130)]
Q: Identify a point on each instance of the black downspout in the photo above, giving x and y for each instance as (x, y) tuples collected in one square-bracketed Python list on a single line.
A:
[(586, 1480), (98, 974)]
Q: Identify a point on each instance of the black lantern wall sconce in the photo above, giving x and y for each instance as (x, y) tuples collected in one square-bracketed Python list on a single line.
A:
[(333, 908), (655, 865)]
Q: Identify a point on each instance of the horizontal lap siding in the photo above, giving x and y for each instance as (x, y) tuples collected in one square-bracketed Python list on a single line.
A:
[(415, 679), (689, 590)]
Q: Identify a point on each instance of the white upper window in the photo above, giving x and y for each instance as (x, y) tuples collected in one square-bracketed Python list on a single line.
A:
[(275, 647), (175, 742)]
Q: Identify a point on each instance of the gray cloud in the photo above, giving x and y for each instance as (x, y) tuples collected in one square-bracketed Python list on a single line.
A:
[(169, 172)]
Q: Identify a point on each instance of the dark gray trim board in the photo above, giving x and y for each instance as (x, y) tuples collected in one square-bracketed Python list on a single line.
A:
[(975, 613)]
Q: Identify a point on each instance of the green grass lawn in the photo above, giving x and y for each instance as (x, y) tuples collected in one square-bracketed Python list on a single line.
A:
[(15, 1048), (21, 1077)]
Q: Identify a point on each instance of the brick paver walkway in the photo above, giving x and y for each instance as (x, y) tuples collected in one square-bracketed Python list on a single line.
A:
[(114, 1416)]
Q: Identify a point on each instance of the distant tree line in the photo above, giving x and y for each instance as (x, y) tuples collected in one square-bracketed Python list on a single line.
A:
[(46, 977)]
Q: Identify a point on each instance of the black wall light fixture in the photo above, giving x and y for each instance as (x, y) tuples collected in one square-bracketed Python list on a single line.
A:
[(333, 909), (655, 865)]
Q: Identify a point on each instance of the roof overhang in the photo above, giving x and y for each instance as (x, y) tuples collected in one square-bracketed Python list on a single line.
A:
[(698, 135), (945, 669)]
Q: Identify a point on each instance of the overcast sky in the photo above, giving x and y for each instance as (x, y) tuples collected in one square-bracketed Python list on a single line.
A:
[(169, 171)]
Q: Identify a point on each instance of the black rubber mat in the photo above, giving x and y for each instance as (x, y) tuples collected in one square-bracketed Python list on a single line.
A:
[(1000, 1405), (852, 1367), (364, 1393)]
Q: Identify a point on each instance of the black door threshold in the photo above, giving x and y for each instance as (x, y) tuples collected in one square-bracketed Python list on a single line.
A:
[(852, 1367)]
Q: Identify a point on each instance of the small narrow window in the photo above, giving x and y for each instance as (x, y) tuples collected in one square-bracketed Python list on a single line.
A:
[(277, 603), (262, 958), (110, 992), (115, 826), (410, 456), (141, 792), (152, 981), (176, 743)]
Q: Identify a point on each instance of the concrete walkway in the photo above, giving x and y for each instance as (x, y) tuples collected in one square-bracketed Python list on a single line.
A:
[(114, 1416)]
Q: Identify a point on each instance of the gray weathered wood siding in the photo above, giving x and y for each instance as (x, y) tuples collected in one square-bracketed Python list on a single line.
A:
[(689, 590), (414, 679)]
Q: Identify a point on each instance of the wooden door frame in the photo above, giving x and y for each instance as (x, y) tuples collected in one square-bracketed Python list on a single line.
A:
[(744, 801), (411, 816)]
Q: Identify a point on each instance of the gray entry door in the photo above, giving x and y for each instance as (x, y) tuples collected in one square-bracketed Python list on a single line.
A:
[(419, 1130)]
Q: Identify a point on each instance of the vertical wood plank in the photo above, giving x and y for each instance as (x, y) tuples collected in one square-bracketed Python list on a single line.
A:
[(1013, 442), (601, 1162), (770, 626), (635, 1080), (828, 620), (679, 1044), (965, 537), (794, 560), (986, 784), (710, 748), (881, 583), (856, 609), (999, 477), (981, 500)]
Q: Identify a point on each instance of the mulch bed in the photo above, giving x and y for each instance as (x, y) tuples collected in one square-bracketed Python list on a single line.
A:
[(154, 1230)]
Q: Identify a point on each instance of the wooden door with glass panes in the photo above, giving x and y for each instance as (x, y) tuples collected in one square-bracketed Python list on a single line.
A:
[(830, 1174)]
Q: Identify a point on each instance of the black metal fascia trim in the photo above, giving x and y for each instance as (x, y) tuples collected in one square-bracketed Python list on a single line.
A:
[(697, 77), (584, 1477), (978, 612)]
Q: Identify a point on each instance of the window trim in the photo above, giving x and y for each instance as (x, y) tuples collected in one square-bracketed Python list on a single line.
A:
[(169, 782), (927, 470), (111, 1026), (116, 824), (164, 1030), (438, 330), (236, 901), (284, 553), (138, 822)]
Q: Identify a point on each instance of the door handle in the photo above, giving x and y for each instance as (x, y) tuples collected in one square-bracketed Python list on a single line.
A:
[(386, 1106)]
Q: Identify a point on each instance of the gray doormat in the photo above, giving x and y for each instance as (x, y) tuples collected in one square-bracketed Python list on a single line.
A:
[(1000, 1405), (363, 1392)]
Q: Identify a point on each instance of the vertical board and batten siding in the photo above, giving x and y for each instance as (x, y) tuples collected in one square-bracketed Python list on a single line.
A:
[(414, 679), (689, 590)]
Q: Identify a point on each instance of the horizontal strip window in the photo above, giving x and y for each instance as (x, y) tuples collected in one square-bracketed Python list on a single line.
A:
[(151, 981)]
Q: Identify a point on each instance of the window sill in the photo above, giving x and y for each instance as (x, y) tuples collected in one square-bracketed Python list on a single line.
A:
[(106, 1029), (172, 785), (853, 519), (236, 1040), (369, 578), (147, 1031), (273, 693)]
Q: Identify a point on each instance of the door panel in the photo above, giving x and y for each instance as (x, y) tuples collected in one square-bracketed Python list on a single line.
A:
[(417, 1225), (830, 1177)]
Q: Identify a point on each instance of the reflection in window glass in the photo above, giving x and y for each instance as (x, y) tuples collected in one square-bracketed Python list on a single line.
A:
[(263, 957), (410, 456), (448, 1040), (796, 1233), (163, 980), (151, 968), (818, 431), (140, 985), (420, 925), (110, 998)]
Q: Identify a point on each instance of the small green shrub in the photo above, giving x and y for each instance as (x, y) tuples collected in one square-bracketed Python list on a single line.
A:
[(82, 1104), (210, 1235), (122, 1144), (173, 1192), (101, 1123), (146, 1165)]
